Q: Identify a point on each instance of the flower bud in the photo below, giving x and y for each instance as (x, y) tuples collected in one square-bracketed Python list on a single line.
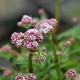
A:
[(39, 57), (68, 43), (31, 76), (71, 74)]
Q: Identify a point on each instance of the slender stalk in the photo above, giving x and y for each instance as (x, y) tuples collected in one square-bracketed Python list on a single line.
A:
[(55, 57), (57, 14), (30, 65), (38, 52), (65, 50)]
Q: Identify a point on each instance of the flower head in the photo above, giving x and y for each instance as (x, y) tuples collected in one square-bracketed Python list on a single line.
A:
[(26, 20), (7, 72), (39, 57), (20, 23), (53, 22), (46, 26), (44, 49), (16, 39), (71, 74), (5, 48), (33, 35), (21, 77), (68, 43), (31, 76), (32, 46), (41, 11), (31, 39), (72, 40)]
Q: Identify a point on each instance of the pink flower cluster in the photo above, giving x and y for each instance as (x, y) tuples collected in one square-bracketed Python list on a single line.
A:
[(68, 43), (30, 76), (30, 39), (21, 77), (72, 73), (16, 39), (26, 20), (53, 22), (46, 25)]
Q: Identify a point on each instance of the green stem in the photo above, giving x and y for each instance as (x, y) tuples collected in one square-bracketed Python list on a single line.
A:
[(55, 56), (64, 50), (30, 66), (57, 14), (58, 7)]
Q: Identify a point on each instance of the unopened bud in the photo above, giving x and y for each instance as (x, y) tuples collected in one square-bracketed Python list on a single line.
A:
[(44, 49), (68, 43), (74, 20), (41, 11), (59, 52), (72, 40), (7, 72), (71, 74)]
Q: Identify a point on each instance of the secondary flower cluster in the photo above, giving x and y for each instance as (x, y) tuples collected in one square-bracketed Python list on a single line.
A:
[(46, 25), (16, 39), (29, 39), (26, 20), (71, 74), (30, 76), (39, 57)]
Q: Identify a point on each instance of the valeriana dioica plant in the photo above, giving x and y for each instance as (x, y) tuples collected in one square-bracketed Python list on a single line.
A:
[(31, 40)]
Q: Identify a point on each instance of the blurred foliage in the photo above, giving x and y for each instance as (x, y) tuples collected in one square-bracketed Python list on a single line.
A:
[(73, 32)]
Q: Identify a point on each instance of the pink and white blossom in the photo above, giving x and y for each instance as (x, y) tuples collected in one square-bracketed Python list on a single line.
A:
[(68, 43), (21, 77), (33, 35), (32, 46), (16, 39), (31, 76), (26, 20), (45, 26), (53, 22), (71, 74), (31, 39)]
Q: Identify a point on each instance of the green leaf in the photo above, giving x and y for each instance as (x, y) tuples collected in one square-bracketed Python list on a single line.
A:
[(73, 32)]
